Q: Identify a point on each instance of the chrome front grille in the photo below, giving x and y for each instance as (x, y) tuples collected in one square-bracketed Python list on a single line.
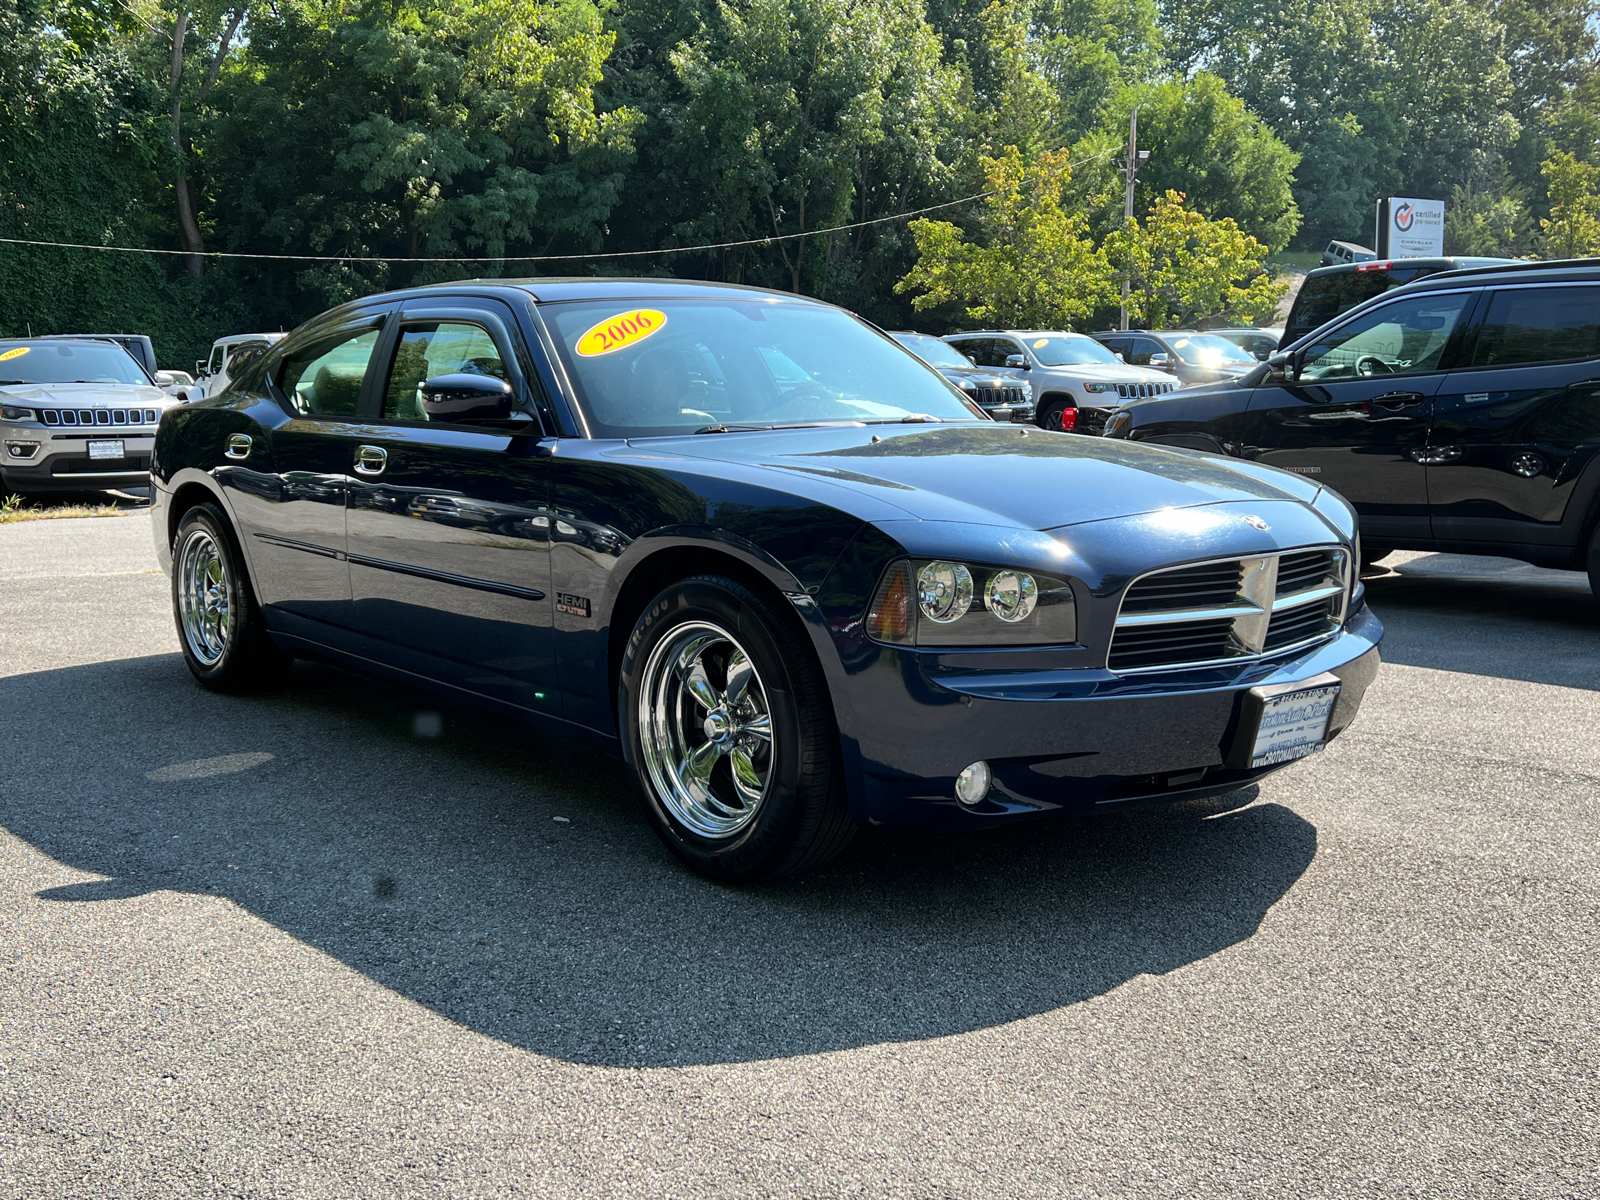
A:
[(99, 416), (989, 397), (1230, 609), (1138, 391)]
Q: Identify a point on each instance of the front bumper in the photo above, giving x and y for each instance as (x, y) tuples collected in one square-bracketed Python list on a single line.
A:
[(59, 462), (1069, 740)]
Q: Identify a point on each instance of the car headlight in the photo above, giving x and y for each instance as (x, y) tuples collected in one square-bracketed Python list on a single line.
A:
[(940, 602), (18, 414), (1118, 425), (1099, 389)]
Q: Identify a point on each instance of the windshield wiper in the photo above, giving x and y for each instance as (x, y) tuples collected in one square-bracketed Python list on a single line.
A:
[(778, 425)]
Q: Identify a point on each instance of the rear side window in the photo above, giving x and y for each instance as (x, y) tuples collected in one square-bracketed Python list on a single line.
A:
[(1529, 325), (325, 378)]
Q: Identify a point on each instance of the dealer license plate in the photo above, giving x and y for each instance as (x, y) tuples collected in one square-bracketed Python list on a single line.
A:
[(106, 449), (1293, 725)]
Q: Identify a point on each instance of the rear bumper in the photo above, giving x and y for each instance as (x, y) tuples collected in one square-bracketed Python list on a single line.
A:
[(1072, 740)]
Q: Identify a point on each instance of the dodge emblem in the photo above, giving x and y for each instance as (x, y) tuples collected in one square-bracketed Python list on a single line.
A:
[(1256, 522)]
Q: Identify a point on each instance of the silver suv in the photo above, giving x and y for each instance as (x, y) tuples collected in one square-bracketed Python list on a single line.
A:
[(1076, 382), (75, 416)]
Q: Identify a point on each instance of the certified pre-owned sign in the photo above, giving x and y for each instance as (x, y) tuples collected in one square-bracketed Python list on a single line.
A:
[(1410, 228)]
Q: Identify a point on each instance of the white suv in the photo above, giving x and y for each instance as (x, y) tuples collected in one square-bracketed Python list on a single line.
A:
[(1076, 381), (212, 374)]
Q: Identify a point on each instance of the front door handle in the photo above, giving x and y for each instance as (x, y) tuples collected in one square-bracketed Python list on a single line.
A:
[(371, 460), (1584, 385), (1395, 401)]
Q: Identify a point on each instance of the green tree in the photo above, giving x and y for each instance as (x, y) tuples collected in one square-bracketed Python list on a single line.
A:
[(1204, 142), (1573, 228), (1035, 268), (1184, 268), (1494, 222)]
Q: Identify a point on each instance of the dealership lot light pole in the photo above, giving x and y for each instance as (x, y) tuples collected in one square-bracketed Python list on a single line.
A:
[(1136, 159)]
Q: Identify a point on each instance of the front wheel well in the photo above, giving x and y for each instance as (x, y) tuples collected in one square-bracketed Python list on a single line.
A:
[(652, 576)]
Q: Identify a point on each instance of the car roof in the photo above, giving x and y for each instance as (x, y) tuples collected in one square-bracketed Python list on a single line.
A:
[(1457, 262), (1016, 333), (1555, 271)]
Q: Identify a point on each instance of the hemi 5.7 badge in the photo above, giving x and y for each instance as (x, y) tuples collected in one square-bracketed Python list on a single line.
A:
[(577, 606)]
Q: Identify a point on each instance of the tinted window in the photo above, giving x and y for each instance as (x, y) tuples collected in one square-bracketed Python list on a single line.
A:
[(1406, 337), (1324, 297), (433, 349), (665, 366), (980, 350), (63, 362), (1540, 325), (325, 377), (1140, 350)]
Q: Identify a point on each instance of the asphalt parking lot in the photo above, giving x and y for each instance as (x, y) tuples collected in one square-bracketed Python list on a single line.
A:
[(289, 946)]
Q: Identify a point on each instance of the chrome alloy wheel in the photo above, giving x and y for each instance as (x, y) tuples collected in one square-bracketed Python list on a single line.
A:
[(705, 730), (204, 598)]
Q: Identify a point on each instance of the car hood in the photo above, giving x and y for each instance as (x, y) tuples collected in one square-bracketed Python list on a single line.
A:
[(977, 376), (993, 474), (91, 395), (1112, 373)]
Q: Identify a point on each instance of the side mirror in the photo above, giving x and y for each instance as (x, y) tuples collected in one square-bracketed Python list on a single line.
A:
[(1161, 362), (1121, 358), (1282, 367), (199, 368), (1018, 362), (466, 398)]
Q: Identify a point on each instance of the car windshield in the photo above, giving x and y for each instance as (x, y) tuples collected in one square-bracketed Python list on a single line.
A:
[(67, 362), (931, 350), (649, 368), (1070, 350), (1208, 350)]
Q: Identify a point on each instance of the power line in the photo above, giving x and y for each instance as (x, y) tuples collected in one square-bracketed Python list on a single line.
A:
[(523, 258)]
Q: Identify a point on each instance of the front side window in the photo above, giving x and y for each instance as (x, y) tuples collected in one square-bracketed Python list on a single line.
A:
[(1407, 337), (980, 350), (1529, 325), (436, 348), (664, 366), (1140, 350), (324, 378)]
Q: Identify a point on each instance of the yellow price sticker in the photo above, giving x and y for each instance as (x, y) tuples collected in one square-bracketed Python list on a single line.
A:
[(621, 331), (15, 352), (1041, 343)]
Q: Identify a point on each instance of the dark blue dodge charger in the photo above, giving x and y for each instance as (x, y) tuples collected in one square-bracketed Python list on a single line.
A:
[(781, 566)]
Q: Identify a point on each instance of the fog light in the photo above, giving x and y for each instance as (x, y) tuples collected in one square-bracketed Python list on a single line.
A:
[(972, 785), (22, 449)]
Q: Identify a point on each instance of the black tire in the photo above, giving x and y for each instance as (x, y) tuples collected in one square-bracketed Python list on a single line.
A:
[(801, 818), (224, 639), (1050, 413), (1592, 558)]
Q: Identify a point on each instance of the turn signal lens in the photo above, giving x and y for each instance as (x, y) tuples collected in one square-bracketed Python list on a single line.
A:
[(944, 591), (889, 618)]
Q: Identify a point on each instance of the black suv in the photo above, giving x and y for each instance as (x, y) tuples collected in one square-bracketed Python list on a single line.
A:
[(1459, 413), (1188, 356)]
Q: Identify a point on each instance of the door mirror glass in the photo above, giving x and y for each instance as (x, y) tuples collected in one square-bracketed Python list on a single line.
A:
[(1405, 337), (1016, 362), (465, 398), (436, 350)]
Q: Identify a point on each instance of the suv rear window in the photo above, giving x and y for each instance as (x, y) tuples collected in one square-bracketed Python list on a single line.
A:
[(1324, 297)]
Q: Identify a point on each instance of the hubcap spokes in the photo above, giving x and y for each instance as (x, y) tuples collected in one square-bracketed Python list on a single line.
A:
[(204, 605), (703, 705)]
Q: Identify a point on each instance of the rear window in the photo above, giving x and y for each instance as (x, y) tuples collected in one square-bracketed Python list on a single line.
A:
[(1324, 297), (1528, 325)]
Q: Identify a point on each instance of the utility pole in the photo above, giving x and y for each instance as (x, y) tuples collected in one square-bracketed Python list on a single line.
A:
[(1136, 159)]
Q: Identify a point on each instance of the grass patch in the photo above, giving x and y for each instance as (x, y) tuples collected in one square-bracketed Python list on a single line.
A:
[(15, 509), (1301, 259)]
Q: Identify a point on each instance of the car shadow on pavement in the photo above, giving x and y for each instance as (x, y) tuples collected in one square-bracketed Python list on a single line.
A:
[(1489, 616), (442, 868)]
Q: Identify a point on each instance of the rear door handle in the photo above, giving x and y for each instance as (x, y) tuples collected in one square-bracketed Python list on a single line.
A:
[(1395, 401), (371, 460), (238, 445)]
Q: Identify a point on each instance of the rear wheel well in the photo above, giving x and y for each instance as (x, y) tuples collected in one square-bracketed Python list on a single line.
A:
[(185, 498), (652, 576)]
